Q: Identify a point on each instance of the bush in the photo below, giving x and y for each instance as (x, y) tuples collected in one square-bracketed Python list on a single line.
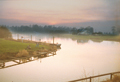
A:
[(4, 32), (34, 53), (53, 48), (22, 53), (3, 57)]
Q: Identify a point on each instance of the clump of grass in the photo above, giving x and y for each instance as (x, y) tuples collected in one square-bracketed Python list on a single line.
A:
[(116, 78), (35, 53), (3, 57), (22, 53), (44, 50), (53, 48)]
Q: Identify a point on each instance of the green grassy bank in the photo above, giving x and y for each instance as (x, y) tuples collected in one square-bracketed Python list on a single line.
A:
[(15, 48)]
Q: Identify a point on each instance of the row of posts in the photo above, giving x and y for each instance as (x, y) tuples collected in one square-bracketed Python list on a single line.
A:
[(31, 38), (22, 37)]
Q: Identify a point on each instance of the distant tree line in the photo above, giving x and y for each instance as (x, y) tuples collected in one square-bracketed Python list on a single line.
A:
[(49, 29), (4, 32), (40, 29), (60, 29)]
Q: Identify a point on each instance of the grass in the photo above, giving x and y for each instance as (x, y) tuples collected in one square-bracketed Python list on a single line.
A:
[(16, 48), (22, 53)]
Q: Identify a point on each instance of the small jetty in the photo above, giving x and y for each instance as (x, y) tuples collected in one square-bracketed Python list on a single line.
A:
[(22, 60), (57, 45)]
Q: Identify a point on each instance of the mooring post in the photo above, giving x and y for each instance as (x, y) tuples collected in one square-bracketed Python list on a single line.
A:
[(90, 79), (22, 38), (111, 76), (31, 37), (18, 36), (53, 39)]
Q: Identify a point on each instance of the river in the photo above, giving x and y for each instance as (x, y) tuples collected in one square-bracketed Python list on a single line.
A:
[(75, 60)]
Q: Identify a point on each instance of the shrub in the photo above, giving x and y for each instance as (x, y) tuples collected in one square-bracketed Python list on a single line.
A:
[(22, 53), (3, 57), (53, 48), (44, 50), (34, 53)]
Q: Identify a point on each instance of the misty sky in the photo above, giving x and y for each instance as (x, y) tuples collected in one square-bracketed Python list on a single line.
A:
[(60, 12)]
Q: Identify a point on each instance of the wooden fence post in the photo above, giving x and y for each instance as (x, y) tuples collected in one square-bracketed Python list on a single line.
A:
[(3, 64), (111, 76), (90, 79)]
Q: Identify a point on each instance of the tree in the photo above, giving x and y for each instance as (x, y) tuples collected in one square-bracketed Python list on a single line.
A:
[(114, 30), (4, 32)]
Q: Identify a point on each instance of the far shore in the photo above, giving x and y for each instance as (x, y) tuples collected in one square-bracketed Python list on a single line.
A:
[(90, 37)]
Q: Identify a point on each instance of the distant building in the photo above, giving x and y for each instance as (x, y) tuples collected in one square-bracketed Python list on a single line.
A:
[(85, 31)]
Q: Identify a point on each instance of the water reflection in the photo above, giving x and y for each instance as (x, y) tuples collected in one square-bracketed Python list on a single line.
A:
[(82, 41), (73, 61), (18, 61)]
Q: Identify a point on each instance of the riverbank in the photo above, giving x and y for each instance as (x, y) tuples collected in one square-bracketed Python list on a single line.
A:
[(16, 48), (90, 37)]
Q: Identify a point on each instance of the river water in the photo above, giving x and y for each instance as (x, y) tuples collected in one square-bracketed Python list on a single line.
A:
[(75, 60)]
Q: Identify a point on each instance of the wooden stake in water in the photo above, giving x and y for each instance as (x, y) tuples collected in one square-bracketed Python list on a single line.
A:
[(22, 38), (53, 39), (18, 36), (31, 37)]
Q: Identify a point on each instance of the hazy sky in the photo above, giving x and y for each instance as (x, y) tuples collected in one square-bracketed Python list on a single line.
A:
[(54, 12)]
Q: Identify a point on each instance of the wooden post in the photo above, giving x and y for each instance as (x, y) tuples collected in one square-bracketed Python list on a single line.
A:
[(90, 79), (22, 38), (3, 64), (111, 76), (31, 37), (18, 36), (39, 40), (53, 39)]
